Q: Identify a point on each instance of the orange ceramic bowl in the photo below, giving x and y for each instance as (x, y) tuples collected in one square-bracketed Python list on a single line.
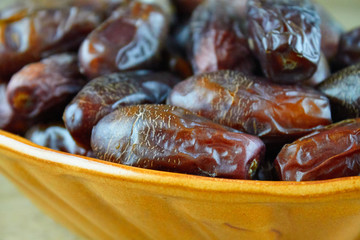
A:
[(102, 200)]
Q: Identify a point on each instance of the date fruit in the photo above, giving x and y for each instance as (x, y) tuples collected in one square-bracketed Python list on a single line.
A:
[(132, 38), (169, 138), (259, 107), (43, 86), (104, 94), (285, 35), (41, 33), (9, 120), (57, 137), (216, 40), (349, 49), (343, 91), (329, 153)]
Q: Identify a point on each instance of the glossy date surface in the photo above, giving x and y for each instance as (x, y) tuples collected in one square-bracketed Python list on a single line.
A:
[(28, 37), (255, 106), (330, 153), (285, 35), (104, 94), (217, 41), (173, 139), (132, 38), (44, 86)]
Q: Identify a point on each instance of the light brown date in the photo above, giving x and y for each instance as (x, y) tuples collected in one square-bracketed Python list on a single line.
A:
[(168, 138)]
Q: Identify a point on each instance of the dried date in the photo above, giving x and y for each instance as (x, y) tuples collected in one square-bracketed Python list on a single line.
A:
[(104, 94), (259, 107), (343, 91), (45, 86), (322, 73), (168, 138), (216, 40), (285, 37), (132, 38), (9, 119), (28, 37), (330, 153), (349, 49), (56, 137)]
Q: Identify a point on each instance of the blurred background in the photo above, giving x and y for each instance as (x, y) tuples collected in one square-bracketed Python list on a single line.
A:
[(20, 219)]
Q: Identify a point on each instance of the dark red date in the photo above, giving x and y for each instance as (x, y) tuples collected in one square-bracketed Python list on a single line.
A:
[(173, 139), (57, 137), (343, 91), (132, 38), (330, 153), (285, 35), (44, 86), (105, 94), (349, 49), (28, 37), (262, 108), (216, 40)]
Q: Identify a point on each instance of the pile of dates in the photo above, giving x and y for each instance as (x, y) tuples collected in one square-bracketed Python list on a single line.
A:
[(240, 89)]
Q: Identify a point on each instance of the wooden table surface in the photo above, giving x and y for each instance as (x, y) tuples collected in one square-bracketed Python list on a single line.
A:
[(21, 220)]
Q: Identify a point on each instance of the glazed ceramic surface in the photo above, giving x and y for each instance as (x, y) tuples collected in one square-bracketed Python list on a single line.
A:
[(101, 200)]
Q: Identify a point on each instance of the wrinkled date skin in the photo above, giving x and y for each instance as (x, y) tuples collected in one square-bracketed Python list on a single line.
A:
[(41, 33), (343, 91), (216, 40), (57, 137), (330, 153), (9, 120), (104, 94), (168, 138), (286, 38), (44, 86), (349, 49), (268, 110), (132, 38)]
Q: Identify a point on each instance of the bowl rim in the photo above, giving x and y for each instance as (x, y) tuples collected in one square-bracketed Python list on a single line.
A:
[(14, 144)]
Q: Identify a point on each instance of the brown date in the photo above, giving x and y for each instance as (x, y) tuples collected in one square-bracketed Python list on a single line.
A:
[(104, 94), (268, 110), (44, 86), (169, 138), (285, 37), (216, 40), (343, 91), (9, 119), (349, 49), (132, 38), (57, 137), (329, 153), (29, 37)]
